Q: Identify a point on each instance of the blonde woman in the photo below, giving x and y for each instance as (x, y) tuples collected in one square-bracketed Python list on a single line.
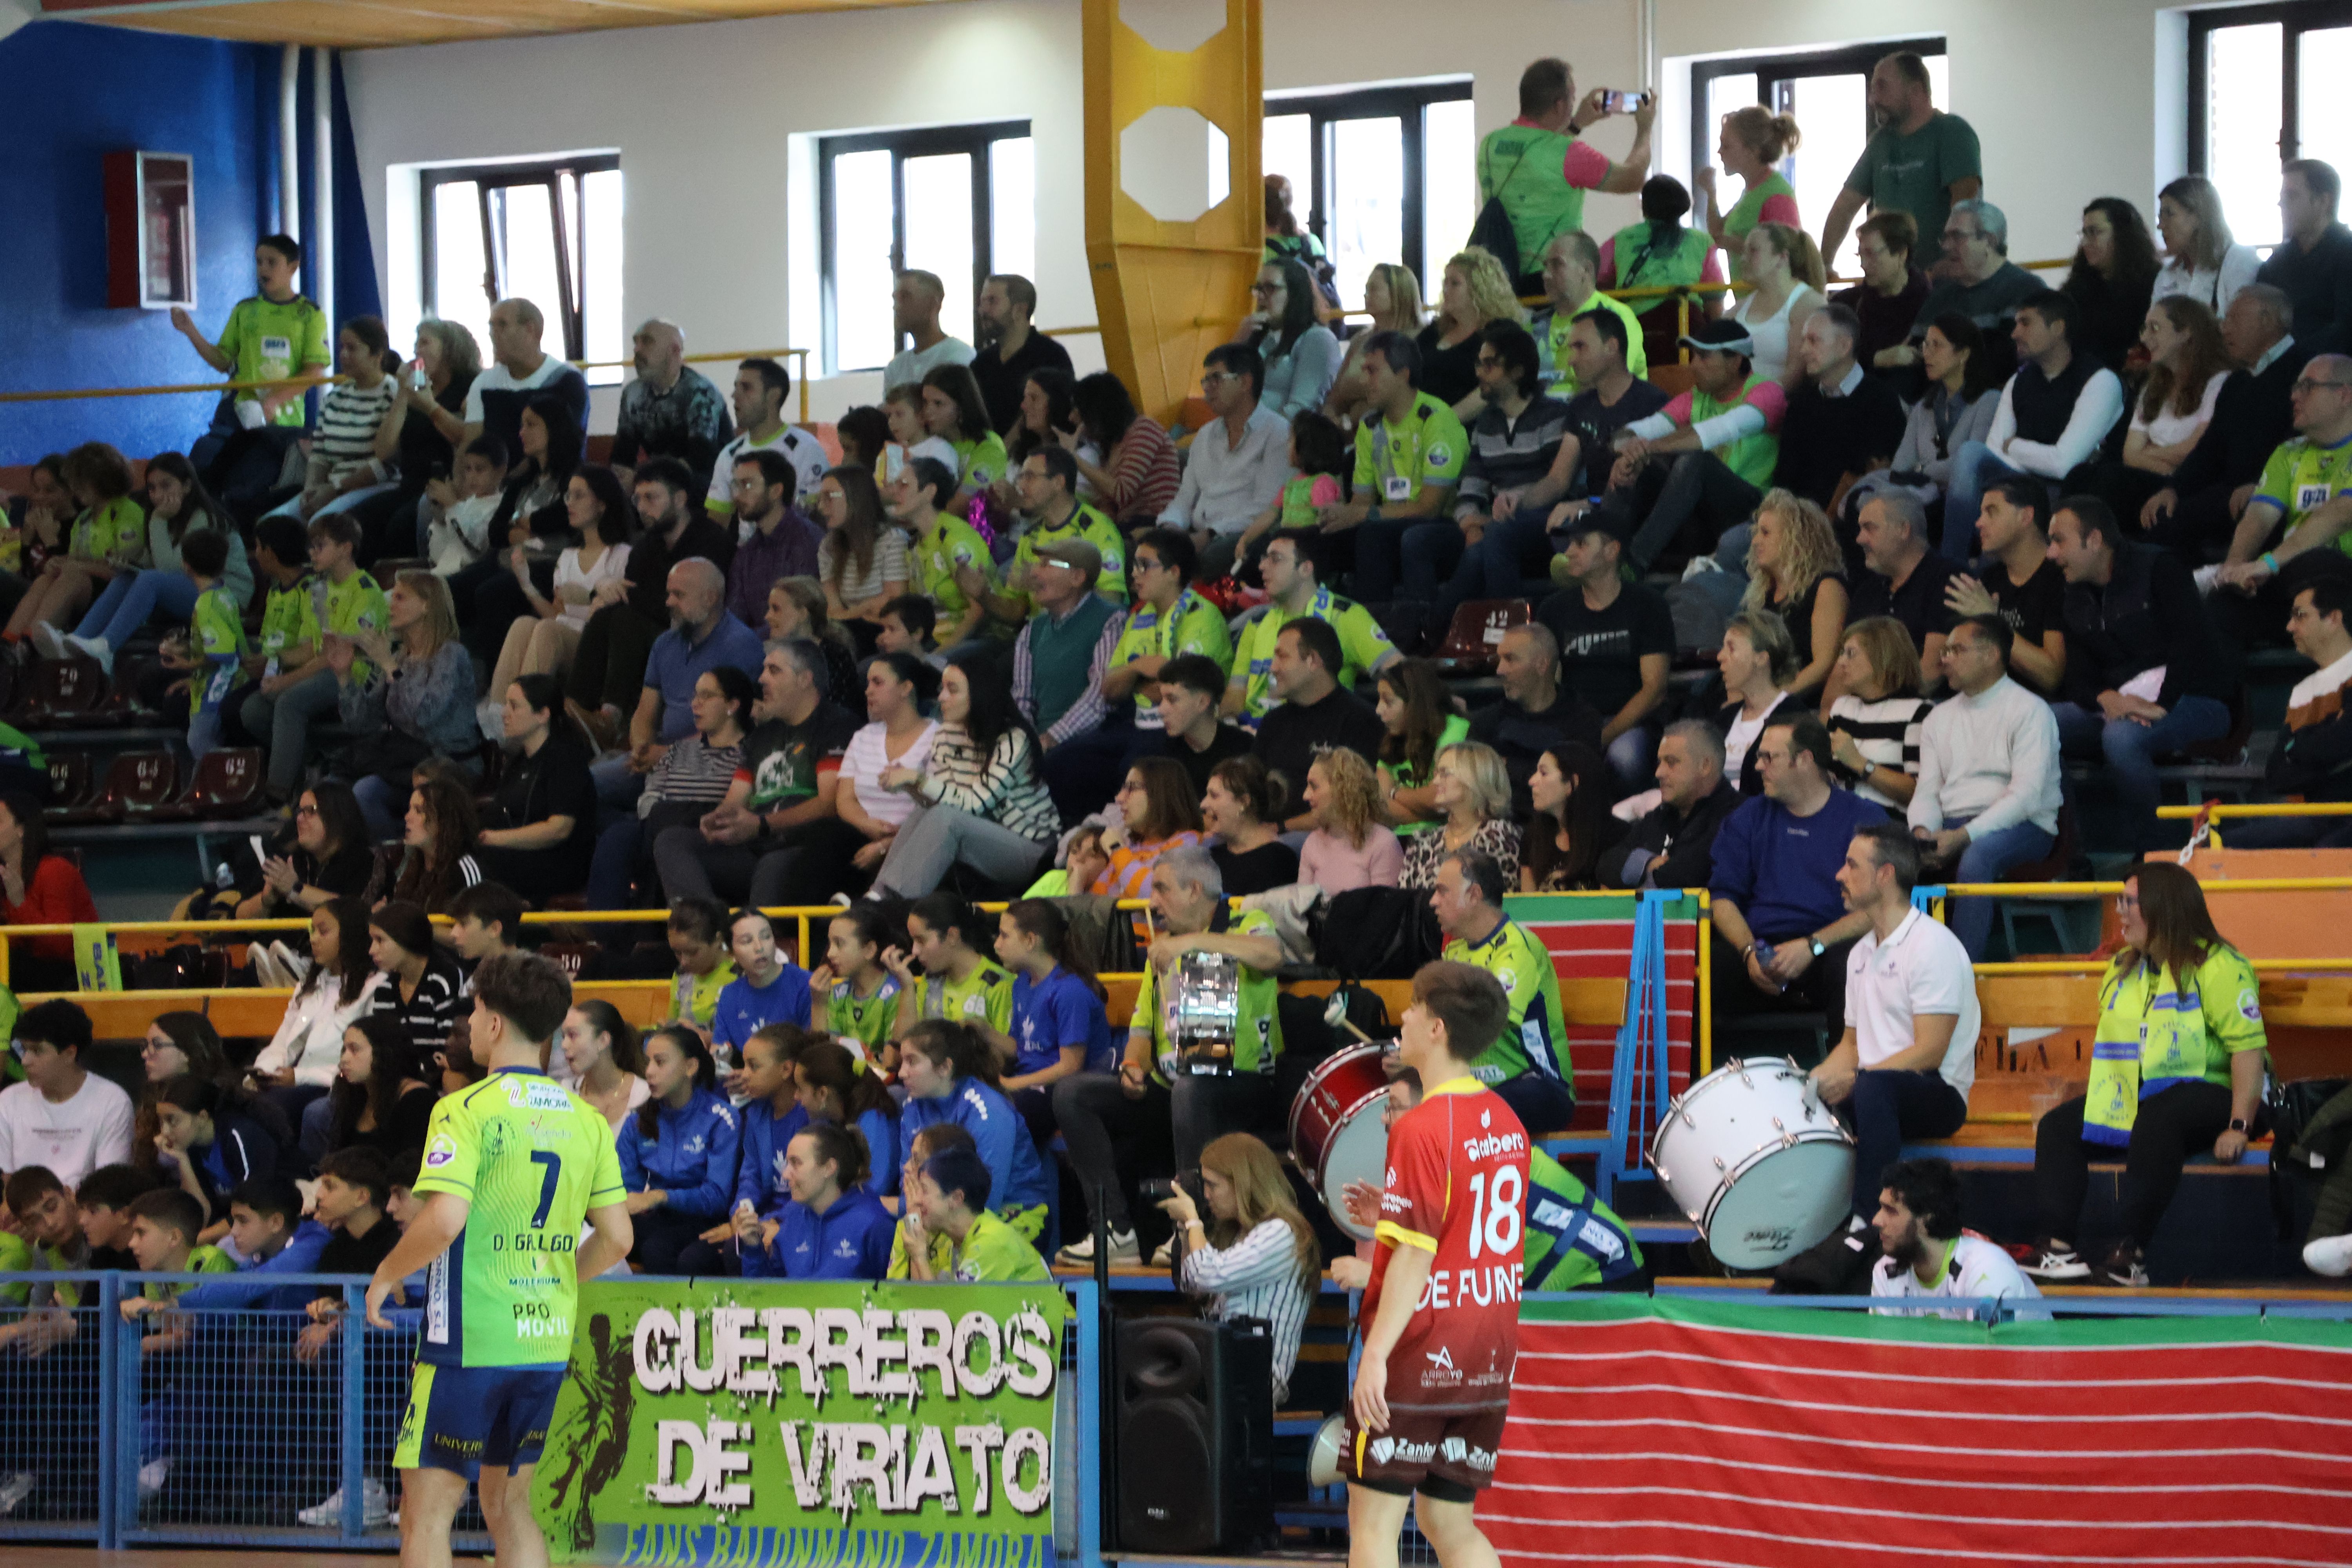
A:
[(1476, 291), (1752, 143), (1786, 269), (2201, 259), (416, 701), (1392, 301), (1875, 726), (1350, 846), (1794, 570), (1472, 791), (1255, 1255)]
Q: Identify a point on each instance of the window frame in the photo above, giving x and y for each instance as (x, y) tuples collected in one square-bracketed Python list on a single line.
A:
[(1851, 59), (928, 141), (1404, 102), (2295, 17), (571, 314)]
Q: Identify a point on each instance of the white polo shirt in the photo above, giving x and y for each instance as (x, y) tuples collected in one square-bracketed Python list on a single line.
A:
[(1921, 968), (1973, 1269)]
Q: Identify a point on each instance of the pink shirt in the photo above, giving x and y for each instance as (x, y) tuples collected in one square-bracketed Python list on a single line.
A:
[(1324, 861), (1767, 397)]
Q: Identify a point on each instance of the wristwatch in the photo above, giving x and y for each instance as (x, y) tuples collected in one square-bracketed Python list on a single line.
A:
[(1818, 946), (2239, 1124)]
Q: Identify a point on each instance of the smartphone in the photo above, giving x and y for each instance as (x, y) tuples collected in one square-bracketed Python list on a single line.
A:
[(1613, 102)]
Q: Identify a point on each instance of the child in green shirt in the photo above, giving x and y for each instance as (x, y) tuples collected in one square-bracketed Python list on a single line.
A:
[(216, 639)]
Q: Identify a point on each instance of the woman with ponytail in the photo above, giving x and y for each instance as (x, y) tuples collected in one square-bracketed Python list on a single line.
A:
[(1059, 1024), (834, 1227), (1753, 142), (949, 1074)]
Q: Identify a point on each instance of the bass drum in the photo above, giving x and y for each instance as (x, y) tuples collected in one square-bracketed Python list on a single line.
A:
[(1335, 1129), (1758, 1162)]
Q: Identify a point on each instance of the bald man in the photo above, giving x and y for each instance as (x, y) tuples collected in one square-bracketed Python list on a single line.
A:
[(916, 299), (671, 410), (520, 371), (702, 635)]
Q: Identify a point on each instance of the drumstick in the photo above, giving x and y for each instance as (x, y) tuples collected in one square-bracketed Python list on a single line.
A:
[(1335, 1012)]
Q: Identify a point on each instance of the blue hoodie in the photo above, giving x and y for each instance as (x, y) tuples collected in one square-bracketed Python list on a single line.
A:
[(691, 1155), (760, 1179), (1017, 1179), (745, 1009), (851, 1240), (250, 1287)]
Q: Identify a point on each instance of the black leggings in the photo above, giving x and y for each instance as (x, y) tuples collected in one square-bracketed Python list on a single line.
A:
[(2169, 1127)]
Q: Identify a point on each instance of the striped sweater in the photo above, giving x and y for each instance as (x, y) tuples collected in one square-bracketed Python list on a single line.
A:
[(345, 440), (1004, 787), (1886, 733)]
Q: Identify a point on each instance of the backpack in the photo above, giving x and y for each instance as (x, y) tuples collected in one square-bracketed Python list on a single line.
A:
[(1492, 232), (1377, 933)]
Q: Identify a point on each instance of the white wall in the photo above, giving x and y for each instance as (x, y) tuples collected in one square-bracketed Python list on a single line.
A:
[(2072, 99)]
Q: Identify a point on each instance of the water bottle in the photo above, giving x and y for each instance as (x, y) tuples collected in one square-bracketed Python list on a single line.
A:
[(223, 877)]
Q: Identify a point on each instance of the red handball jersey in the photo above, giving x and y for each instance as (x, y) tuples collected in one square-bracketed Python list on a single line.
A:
[(1457, 1187)]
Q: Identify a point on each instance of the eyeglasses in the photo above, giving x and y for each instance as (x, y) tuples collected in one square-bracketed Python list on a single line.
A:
[(2126, 901), (306, 811), (1215, 379), (2303, 386), (1266, 288)]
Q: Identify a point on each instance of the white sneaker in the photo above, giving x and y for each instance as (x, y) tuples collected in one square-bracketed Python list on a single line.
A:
[(50, 641), (376, 1509), (2330, 1256), (16, 1489), (296, 964), (96, 648), (2056, 1263), (1163, 1255), (152, 1476), (2206, 577), (1080, 1254)]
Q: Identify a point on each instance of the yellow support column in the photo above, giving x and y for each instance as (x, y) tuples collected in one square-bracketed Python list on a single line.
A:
[(1174, 214)]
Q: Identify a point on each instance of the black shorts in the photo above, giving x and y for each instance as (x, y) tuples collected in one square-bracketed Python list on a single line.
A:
[(1447, 1455)]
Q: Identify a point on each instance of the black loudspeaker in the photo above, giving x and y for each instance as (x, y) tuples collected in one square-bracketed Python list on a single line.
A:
[(1195, 1434)]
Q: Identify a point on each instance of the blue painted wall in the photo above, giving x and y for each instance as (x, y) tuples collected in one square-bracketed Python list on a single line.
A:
[(79, 92)]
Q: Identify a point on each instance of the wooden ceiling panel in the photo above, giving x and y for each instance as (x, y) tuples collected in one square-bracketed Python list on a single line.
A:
[(393, 23)]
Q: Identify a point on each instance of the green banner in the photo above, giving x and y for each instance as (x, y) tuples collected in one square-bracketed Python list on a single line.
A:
[(830, 1426)]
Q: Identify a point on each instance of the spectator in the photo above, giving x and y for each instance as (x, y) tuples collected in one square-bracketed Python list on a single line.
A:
[(905, 626), (978, 799), (862, 997), (1057, 1027), (177, 506), (775, 538), (2204, 497), (2021, 583), (605, 1064), (954, 413), (543, 827), (404, 702), (382, 1099), (2308, 763), (423, 992), (2189, 999), (1152, 1098), (353, 605), (1561, 849), (107, 539), (2053, 414), (1719, 441), (62, 1117), (1539, 168), (328, 856), (796, 609), (762, 385), (1047, 406), (778, 826), (543, 642), (2313, 265), (1887, 299), (911, 433), (608, 660), (701, 633), (1238, 463), (1474, 292), (104, 1199), (1752, 145), (698, 946), (1349, 845), (1408, 461), (1258, 1258), (1673, 845), (1527, 1062), (768, 988), (862, 559), (1470, 791), (1988, 794), (1661, 251), (1292, 571), (1962, 395), (1841, 422), (1875, 724), (1048, 486), (679, 1155), (1059, 661), (1903, 577), (2200, 255), (279, 651), (1537, 711), (831, 1227), (1758, 661), (947, 1199), (1571, 280), (1157, 814), (1010, 348), (1169, 620), (1284, 236), (2188, 365), (960, 981), (1137, 479), (438, 833), (1515, 467), (1316, 715), (519, 373), (2112, 279), (1418, 717), (2298, 506), (1920, 161), (1907, 1059), (216, 644), (1298, 354), (1785, 274), (1616, 639), (2143, 677), (944, 547), (38, 887), (486, 921), (1979, 282), (1781, 921), (915, 298), (834, 1087), (1191, 732), (1925, 1252), (949, 1074), (1242, 808), (671, 410), (272, 334), (1392, 301), (897, 736), (421, 435), (343, 469), (1794, 572), (298, 1065)]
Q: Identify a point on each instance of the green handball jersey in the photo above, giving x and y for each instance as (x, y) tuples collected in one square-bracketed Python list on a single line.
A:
[(531, 1159), (2301, 476), (1573, 1239), (1535, 1038), (986, 997)]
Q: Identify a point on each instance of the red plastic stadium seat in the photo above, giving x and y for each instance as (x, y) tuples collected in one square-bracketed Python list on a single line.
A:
[(226, 783), (63, 688), (136, 783), (72, 780), (1476, 634)]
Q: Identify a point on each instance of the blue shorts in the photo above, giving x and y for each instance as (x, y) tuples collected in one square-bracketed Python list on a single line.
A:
[(463, 1417)]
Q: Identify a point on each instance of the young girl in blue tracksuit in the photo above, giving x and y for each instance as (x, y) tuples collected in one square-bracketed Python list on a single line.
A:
[(772, 1115), (833, 1227), (836, 1087), (679, 1154), (1059, 1026), (948, 1072)]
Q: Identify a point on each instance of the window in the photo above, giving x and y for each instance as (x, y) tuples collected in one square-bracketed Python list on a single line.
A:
[(546, 232), (958, 200), (2264, 87), (1379, 173), (1828, 95)]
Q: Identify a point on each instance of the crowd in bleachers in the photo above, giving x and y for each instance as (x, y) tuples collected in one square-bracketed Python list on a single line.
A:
[(1006, 636)]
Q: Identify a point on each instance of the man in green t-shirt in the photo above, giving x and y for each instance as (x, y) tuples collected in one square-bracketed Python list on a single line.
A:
[(1920, 161), (1702, 462), (271, 336), (1528, 1063), (1291, 570), (1169, 620), (1410, 449), (1047, 483), (1540, 170), (2303, 501), (1571, 275), (340, 600), (945, 547)]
